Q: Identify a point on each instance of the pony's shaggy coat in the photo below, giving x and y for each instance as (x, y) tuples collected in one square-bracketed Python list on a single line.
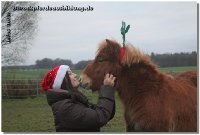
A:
[(153, 100)]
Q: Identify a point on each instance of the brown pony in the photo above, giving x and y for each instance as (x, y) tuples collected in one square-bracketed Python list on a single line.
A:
[(153, 101)]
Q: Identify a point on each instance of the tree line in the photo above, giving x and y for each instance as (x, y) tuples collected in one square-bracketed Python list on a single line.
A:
[(49, 63), (175, 60), (162, 60)]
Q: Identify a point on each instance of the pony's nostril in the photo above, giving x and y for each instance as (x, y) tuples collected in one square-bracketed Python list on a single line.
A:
[(84, 81)]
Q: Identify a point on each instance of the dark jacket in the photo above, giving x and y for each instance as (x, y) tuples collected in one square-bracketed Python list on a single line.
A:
[(78, 116)]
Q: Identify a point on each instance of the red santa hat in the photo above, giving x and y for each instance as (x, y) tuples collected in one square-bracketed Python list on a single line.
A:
[(54, 78)]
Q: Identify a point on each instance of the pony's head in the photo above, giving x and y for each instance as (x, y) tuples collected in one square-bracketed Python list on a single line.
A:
[(107, 60)]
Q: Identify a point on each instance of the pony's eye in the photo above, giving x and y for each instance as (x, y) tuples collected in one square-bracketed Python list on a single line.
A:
[(100, 60)]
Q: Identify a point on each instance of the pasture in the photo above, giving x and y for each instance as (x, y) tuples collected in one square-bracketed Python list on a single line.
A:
[(34, 115)]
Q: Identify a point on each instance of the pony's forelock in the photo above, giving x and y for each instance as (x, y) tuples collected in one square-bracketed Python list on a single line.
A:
[(104, 43), (101, 45)]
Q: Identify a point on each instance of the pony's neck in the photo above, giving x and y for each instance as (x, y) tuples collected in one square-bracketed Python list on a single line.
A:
[(137, 80)]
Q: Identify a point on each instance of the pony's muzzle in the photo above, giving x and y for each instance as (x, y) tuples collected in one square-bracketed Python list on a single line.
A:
[(85, 81)]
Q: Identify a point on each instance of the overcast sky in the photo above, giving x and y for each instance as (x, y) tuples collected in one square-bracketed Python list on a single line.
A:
[(159, 27)]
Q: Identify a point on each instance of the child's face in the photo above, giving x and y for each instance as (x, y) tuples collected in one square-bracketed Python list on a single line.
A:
[(73, 78)]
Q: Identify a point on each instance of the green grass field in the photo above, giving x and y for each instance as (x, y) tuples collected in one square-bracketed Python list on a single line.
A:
[(177, 69), (34, 115)]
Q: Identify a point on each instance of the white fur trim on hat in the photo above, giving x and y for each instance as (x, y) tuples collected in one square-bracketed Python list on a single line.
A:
[(60, 75)]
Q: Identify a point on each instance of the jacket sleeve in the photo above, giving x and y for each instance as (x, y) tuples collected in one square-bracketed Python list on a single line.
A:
[(82, 117), (107, 101)]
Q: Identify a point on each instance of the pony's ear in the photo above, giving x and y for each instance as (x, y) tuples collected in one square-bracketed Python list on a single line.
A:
[(108, 41)]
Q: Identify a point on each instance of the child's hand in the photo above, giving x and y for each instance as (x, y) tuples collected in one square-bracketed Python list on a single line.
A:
[(109, 79)]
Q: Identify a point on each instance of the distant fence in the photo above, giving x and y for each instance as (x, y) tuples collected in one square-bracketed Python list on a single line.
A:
[(23, 83), (21, 88)]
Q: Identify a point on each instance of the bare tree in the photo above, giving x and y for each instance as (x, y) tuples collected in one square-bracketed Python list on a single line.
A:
[(18, 29)]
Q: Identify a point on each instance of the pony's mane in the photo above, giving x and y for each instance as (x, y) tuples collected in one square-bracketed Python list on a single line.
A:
[(132, 55)]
